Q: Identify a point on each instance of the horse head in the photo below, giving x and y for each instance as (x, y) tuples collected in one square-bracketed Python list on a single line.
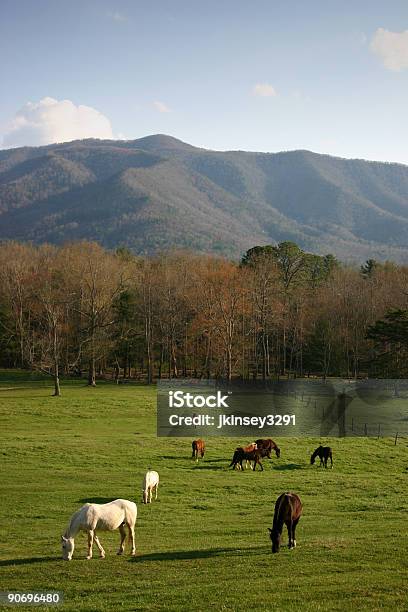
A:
[(275, 538), (68, 546)]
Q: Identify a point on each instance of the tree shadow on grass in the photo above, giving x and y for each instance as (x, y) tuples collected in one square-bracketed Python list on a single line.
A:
[(97, 500), (204, 466), (197, 554), (23, 396), (191, 460), (288, 466), (174, 457), (28, 561)]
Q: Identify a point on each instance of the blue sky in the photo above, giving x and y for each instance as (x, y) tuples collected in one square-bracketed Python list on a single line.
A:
[(258, 75)]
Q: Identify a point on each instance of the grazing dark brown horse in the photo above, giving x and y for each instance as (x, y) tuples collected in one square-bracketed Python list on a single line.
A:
[(240, 455), (288, 510), (198, 447), (324, 453), (269, 445)]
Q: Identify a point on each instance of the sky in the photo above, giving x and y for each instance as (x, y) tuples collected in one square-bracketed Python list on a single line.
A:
[(330, 76)]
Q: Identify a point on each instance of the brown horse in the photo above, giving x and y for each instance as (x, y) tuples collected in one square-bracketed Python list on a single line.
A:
[(288, 510), (269, 445), (198, 447), (248, 449), (240, 454), (324, 453)]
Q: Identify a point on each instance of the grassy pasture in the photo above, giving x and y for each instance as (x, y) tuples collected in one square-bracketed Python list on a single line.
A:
[(204, 544)]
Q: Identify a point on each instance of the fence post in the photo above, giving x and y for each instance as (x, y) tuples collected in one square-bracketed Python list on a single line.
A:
[(365, 429), (379, 429), (396, 438)]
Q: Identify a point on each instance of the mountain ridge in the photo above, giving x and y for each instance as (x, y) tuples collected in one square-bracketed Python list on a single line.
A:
[(158, 192)]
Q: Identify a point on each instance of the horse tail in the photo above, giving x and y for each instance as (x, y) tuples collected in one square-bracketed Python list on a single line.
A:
[(234, 459)]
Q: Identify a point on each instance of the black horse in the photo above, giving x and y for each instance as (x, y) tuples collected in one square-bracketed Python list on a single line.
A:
[(324, 453), (288, 510)]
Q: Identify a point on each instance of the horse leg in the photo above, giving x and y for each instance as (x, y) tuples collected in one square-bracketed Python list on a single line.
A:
[(90, 543), (289, 525), (122, 539), (157, 486), (294, 525), (261, 466), (132, 539), (331, 460), (100, 547)]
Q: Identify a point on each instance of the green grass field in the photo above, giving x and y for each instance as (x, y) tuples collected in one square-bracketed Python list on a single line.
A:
[(204, 544)]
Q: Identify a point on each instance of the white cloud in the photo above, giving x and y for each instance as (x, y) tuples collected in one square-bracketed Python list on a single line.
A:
[(264, 90), (161, 107), (116, 16), (391, 48), (50, 120)]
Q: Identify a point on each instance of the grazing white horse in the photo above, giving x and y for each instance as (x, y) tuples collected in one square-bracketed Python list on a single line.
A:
[(150, 482), (102, 517)]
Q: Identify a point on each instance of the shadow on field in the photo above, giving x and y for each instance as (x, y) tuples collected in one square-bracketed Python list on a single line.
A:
[(288, 466), (207, 466), (28, 561), (96, 500), (195, 554), (16, 396), (174, 458)]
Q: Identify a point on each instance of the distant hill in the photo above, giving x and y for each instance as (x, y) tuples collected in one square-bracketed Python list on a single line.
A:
[(157, 193)]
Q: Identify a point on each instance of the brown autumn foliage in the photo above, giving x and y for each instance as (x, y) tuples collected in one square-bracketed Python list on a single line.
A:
[(82, 310)]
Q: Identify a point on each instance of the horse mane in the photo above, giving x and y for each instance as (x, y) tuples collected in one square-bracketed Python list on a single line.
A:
[(277, 511), (316, 452), (72, 522)]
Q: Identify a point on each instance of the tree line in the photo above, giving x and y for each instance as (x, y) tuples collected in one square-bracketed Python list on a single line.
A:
[(80, 310)]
